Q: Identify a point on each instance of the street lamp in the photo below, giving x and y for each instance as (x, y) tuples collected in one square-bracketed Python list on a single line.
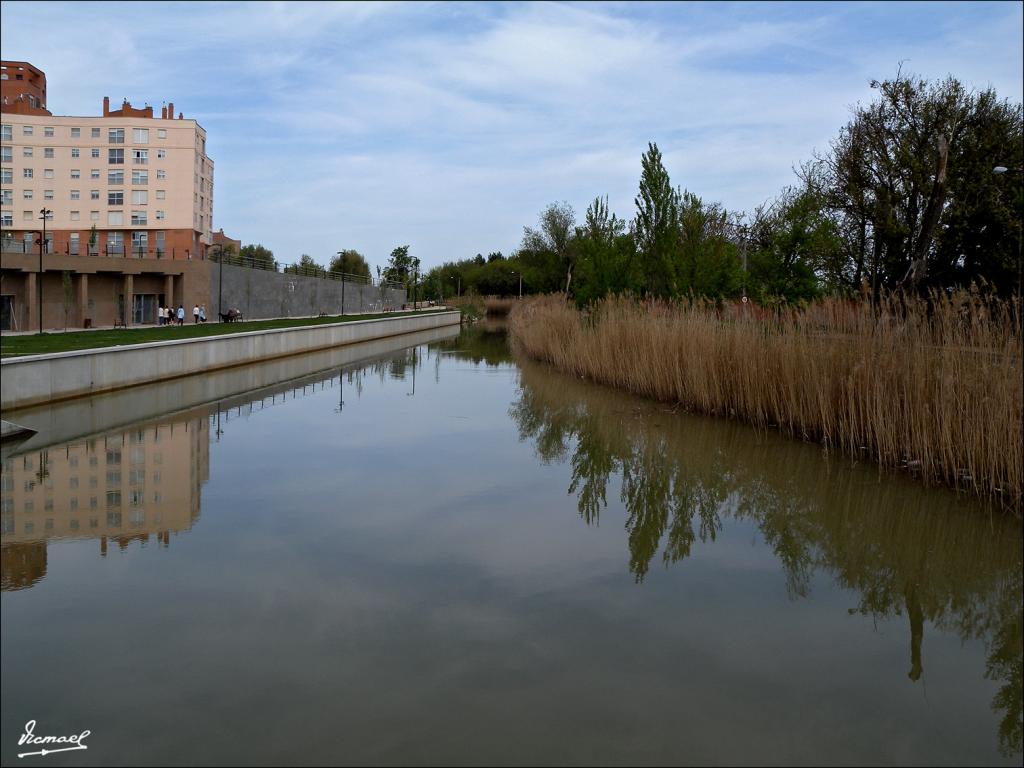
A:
[(341, 263), (44, 214), (459, 278), (520, 282)]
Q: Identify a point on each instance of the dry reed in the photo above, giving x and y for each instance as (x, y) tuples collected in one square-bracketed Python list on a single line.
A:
[(497, 306), (932, 387)]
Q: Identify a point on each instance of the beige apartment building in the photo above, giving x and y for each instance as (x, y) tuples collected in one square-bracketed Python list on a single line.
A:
[(129, 204)]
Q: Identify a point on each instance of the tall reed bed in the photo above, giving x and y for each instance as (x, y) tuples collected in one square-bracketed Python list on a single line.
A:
[(934, 387), (498, 306)]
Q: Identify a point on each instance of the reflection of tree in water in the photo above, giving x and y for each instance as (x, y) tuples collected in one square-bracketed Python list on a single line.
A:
[(902, 548), (483, 342)]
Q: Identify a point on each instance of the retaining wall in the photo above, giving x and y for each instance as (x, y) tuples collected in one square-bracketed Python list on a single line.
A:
[(262, 294), (36, 379)]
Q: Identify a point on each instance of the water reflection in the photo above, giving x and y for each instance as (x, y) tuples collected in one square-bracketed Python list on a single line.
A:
[(924, 554), (119, 488)]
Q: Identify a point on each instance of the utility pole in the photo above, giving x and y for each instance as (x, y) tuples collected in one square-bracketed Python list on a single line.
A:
[(44, 213)]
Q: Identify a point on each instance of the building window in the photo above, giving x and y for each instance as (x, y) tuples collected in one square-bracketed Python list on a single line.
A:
[(6, 176), (140, 136), (75, 152), (115, 177), (139, 218), (75, 216), (27, 173), (27, 216), (115, 218), (76, 173), (6, 155), (115, 157), (48, 173), (94, 173), (7, 219), (161, 154), (160, 215), (7, 197), (76, 133), (26, 130), (94, 194), (94, 133), (161, 175), (26, 152), (47, 194), (8, 133), (161, 133), (115, 197), (140, 156), (48, 153), (27, 194), (94, 215), (161, 194), (115, 136), (94, 152), (48, 132), (140, 197), (75, 194), (140, 177)]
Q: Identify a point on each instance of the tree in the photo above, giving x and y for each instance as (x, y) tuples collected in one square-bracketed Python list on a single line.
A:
[(258, 257), (92, 239), (655, 228), (307, 266), (350, 262), (555, 236), (606, 254), (909, 181), (400, 265), (706, 262)]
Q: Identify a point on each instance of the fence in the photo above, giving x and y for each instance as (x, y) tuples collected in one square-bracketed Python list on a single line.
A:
[(112, 250), (301, 270)]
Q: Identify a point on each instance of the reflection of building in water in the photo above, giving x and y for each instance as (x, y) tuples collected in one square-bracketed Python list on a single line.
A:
[(123, 487)]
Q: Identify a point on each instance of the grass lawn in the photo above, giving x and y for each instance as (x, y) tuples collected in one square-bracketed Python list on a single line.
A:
[(12, 346)]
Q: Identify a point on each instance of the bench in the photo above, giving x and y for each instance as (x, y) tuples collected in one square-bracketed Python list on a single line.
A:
[(119, 322)]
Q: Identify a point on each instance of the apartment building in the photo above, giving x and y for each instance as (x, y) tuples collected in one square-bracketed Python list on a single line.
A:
[(128, 201)]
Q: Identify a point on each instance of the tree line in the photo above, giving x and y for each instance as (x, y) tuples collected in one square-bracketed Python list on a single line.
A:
[(905, 198)]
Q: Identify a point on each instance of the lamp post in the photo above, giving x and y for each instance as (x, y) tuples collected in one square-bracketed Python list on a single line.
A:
[(44, 214), (459, 278), (341, 263), (520, 282)]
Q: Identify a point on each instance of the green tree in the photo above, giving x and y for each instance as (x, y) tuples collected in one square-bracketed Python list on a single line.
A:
[(69, 295), (258, 257), (554, 236), (706, 262), (606, 254), (350, 262), (307, 266), (400, 265), (656, 226)]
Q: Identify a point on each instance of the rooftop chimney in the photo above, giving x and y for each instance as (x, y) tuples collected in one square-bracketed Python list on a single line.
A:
[(170, 110), (106, 106)]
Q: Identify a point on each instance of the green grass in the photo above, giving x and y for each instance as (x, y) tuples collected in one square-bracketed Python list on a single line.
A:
[(12, 346)]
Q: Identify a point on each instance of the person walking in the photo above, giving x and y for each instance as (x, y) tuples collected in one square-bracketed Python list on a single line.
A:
[(160, 314), (195, 315), (202, 313), (181, 314)]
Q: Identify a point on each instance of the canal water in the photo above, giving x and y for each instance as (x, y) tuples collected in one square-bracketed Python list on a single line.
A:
[(438, 554)]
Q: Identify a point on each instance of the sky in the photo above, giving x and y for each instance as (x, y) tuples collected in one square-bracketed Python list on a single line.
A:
[(448, 127)]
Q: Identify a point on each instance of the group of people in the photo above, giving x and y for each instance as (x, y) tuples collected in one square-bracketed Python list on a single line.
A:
[(172, 316)]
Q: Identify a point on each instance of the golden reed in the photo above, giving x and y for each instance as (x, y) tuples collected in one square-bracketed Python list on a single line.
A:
[(937, 391)]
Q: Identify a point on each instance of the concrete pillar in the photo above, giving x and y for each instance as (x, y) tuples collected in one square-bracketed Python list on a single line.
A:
[(169, 290), (83, 297), (31, 301), (128, 286)]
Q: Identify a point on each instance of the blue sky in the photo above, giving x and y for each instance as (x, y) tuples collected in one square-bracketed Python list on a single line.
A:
[(449, 127)]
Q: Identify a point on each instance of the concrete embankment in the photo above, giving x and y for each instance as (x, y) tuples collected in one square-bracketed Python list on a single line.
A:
[(37, 379)]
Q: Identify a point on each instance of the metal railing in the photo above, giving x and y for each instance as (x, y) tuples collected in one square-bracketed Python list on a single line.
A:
[(302, 270)]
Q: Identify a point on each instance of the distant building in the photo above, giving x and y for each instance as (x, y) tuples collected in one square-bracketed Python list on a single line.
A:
[(131, 202), (219, 238)]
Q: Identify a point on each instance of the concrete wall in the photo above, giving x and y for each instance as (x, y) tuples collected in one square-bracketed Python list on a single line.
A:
[(38, 379), (261, 294), (81, 417)]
